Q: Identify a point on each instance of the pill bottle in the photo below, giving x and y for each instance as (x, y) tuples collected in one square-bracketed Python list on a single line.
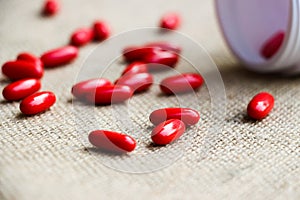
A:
[(250, 26)]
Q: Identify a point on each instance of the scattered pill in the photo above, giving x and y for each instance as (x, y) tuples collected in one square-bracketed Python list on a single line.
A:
[(181, 83), (135, 68), (37, 103), (272, 45), (81, 89), (260, 105), (188, 116), (101, 30), (59, 56), (137, 82), (82, 36), (109, 95), (160, 60), (20, 89), (167, 132), (137, 53), (112, 141), (51, 7), (170, 21), (20, 69), (30, 58)]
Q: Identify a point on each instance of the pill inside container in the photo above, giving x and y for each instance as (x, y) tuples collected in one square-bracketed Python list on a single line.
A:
[(251, 26)]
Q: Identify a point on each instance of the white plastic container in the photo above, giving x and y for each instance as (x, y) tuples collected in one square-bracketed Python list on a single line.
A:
[(247, 24)]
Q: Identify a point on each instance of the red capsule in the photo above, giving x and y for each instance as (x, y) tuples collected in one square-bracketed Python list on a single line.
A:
[(137, 82), (82, 36), (51, 7), (181, 83), (186, 115), (165, 46), (81, 89), (101, 30), (135, 68), (59, 56), (37, 103), (16, 70), (170, 21), (136, 53), (110, 94), (30, 58), (159, 60), (260, 105), (167, 131), (112, 141), (272, 45), (20, 89)]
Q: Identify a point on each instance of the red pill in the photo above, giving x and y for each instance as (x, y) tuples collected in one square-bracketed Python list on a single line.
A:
[(159, 59), (59, 56), (30, 58), (260, 106), (135, 68), (137, 82), (81, 89), (37, 103), (110, 94), (20, 89), (170, 21), (186, 115), (167, 132), (20, 69), (51, 7), (272, 45), (165, 46), (136, 53), (101, 30), (181, 83), (112, 141), (82, 36)]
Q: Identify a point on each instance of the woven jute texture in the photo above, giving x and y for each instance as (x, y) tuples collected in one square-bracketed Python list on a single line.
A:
[(47, 157)]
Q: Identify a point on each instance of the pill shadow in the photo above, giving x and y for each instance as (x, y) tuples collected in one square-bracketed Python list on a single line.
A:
[(4, 102), (241, 118), (104, 152), (20, 116), (4, 81)]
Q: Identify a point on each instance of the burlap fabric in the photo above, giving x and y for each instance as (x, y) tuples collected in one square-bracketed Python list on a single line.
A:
[(44, 157)]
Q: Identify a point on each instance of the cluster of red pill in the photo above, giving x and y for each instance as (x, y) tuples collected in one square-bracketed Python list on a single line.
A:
[(135, 78), (27, 70), (170, 123)]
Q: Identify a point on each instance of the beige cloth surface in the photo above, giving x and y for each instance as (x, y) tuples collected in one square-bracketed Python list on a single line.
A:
[(44, 157)]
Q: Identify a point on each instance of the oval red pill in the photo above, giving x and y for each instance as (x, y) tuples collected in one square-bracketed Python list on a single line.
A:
[(30, 58), (37, 103), (82, 36), (16, 70), (186, 115), (272, 45), (170, 21), (81, 89), (167, 132), (166, 46), (110, 94), (181, 83), (260, 106), (51, 7), (112, 141), (137, 53), (59, 56), (135, 68), (101, 30), (159, 59), (20, 89), (137, 82)]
